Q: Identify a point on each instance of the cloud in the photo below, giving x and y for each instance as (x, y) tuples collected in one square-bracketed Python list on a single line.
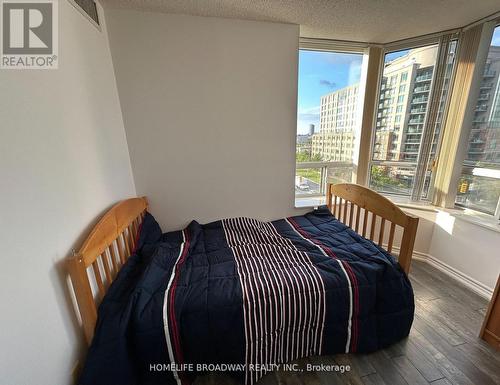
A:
[(309, 114), (327, 83), (354, 73)]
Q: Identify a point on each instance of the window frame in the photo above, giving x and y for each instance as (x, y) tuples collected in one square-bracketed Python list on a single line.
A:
[(439, 40), (448, 182), (333, 46), (460, 167)]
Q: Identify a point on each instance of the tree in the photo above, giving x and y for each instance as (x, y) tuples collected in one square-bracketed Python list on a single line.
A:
[(380, 178), (303, 156)]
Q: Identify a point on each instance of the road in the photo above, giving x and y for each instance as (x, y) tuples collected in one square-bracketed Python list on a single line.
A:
[(314, 188)]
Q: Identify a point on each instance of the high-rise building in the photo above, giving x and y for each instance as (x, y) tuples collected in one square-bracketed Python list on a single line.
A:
[(404, 96), (338, 112), (485, 131)]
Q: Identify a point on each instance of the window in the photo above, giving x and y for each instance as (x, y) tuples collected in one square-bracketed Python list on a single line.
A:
[(402, 158), (329, 119), (479, 185)]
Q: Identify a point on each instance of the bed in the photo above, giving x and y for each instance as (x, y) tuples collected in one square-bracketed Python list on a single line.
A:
[(239, 295)]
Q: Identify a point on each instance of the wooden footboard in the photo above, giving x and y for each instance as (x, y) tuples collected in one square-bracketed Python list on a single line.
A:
[(359, 207), (106, 249)]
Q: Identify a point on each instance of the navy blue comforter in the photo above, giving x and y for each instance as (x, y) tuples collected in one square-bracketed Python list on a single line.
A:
[(245, 295)]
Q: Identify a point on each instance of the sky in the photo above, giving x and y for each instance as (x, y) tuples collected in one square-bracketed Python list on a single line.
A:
[(496, 36), (319, 74), (394, 55)]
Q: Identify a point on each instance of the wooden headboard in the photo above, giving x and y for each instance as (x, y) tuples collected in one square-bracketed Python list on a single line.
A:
[(346, 201), (106, 249)]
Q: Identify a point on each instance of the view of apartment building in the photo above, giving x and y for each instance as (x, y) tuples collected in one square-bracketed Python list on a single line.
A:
[(404, 96), (401, 114), (403, 101), (336, 139), (485, 131)]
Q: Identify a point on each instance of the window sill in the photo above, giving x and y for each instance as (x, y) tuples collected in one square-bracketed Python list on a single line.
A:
[(474, 217), (309, 202), (466, 215)]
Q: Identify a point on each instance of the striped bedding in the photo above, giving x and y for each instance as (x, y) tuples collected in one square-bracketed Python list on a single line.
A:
[(243, 295)]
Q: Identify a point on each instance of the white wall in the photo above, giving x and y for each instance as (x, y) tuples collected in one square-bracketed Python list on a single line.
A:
[(209, 107), (459, 247), (425, 229), (468, 248), (63, 160)]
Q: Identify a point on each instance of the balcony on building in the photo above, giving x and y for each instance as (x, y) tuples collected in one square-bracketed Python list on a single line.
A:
[(419, 100), (415, 129), (421, 89), (485, 86), (423, 78)]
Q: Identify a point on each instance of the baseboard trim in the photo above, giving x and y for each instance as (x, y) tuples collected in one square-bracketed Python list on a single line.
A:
[(476, 286)]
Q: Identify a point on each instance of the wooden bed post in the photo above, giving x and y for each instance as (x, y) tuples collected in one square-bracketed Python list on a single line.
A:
[(83, 294), (407, 243), (329, 196)]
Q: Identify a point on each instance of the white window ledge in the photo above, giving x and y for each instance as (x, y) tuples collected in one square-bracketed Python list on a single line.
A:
[(309, 202), (474, 217), (471, 216), (466, 215)]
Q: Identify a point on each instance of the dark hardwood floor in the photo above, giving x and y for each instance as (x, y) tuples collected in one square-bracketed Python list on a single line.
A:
[(442, 349)]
